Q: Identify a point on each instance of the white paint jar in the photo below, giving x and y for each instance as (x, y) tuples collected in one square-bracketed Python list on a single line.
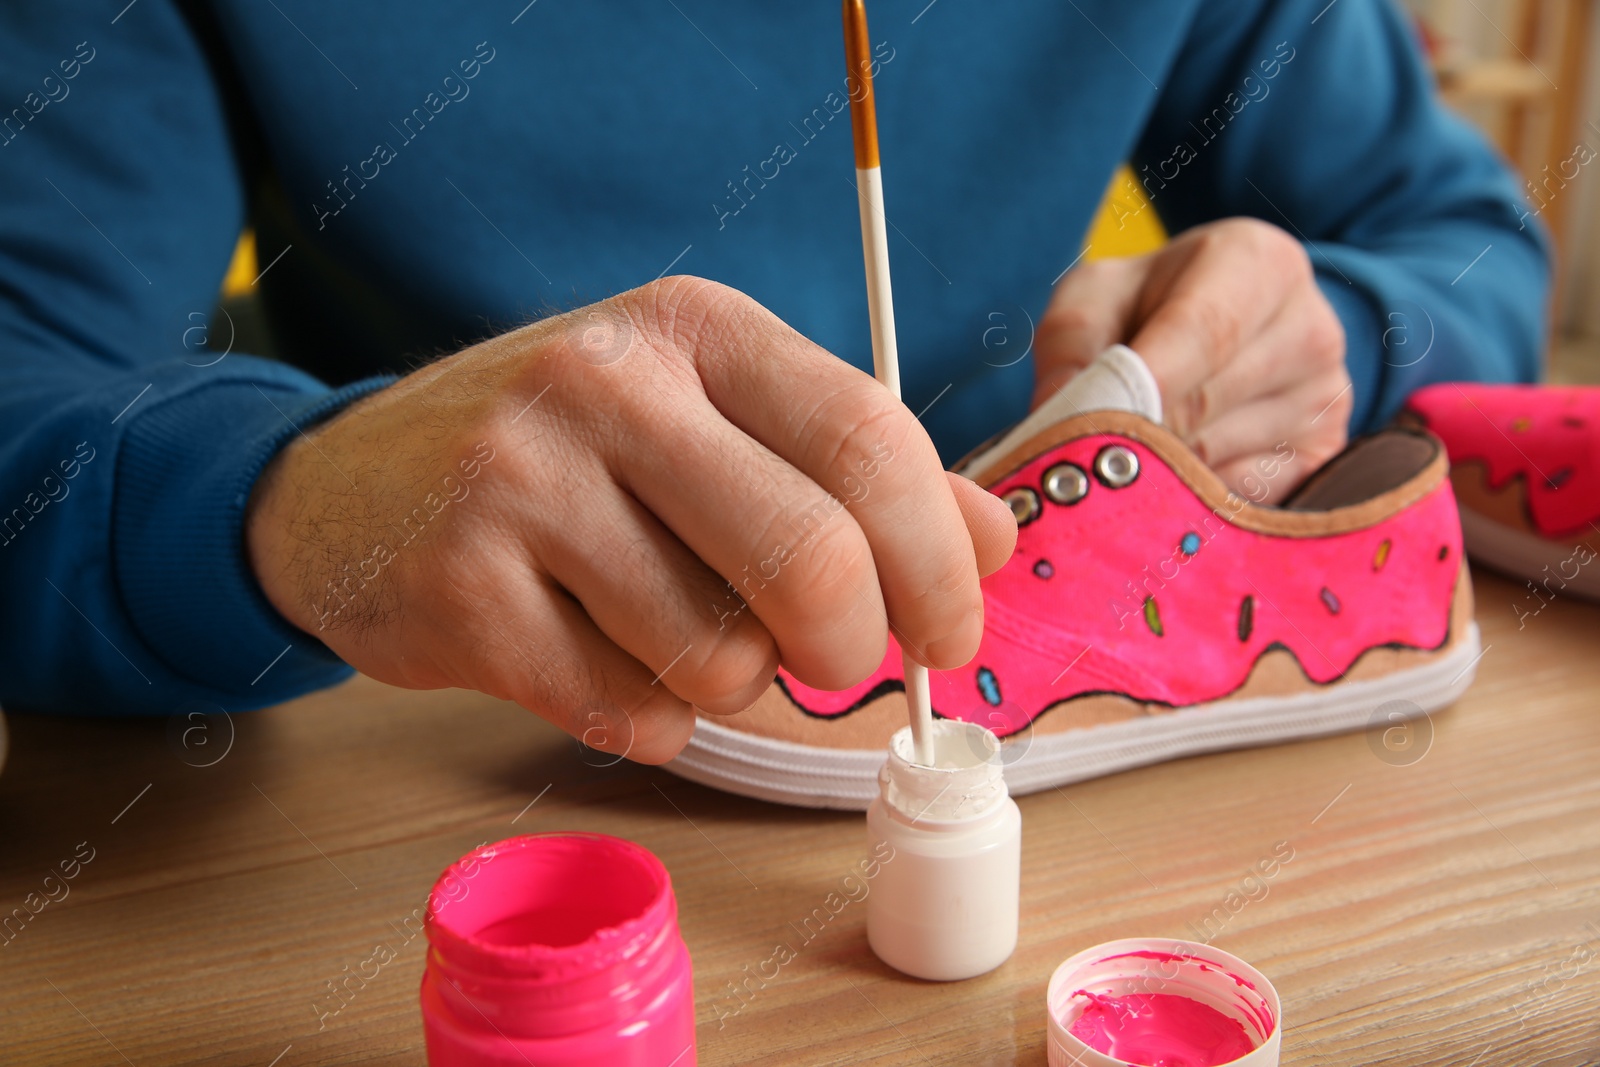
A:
[(945, 906)]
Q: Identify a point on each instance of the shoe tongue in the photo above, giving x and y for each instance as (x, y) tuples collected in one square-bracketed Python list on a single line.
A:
[(1117, 381)]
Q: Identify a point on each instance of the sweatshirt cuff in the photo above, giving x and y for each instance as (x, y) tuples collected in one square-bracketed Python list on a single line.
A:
[(185, 471), (1366, 343)]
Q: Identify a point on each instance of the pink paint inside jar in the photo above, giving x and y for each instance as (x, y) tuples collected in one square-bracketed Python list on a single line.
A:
[(557, 949), (1160, 1030), (1146, 1003)]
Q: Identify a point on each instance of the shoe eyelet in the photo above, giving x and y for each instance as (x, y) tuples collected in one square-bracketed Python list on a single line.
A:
[(1116, 467), (1024, 504), (1065, 483)]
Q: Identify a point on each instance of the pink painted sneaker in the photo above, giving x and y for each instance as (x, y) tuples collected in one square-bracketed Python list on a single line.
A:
[(1525, 464), (1148, 613)]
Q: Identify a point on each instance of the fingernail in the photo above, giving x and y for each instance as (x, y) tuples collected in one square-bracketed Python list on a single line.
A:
[(959, 645)]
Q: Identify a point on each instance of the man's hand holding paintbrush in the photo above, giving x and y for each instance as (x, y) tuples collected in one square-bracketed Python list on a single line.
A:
[(648, 452)]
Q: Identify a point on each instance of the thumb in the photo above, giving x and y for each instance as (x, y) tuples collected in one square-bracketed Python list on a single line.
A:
[(1092, 308)]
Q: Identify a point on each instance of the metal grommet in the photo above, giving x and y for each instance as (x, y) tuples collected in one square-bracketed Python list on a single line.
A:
[(1065, 483), (1116, 466), (1024, 504)]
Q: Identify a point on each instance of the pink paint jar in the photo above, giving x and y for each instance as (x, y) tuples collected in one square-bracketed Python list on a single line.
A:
[(560, 950), (1128, 989)]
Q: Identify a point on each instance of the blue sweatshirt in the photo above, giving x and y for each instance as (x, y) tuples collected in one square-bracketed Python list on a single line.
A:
[(423, 175)]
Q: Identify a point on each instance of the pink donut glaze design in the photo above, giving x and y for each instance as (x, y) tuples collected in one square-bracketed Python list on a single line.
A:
[(1147, 592)]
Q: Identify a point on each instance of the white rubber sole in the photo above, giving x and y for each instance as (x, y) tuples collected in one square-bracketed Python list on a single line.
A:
[(809, 776), (1524, 555)]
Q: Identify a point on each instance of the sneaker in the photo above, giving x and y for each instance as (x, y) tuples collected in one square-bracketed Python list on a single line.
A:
[(1148, 613), (1525, 464)]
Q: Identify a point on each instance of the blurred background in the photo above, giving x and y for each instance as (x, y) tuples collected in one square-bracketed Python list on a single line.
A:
[(1522, 70)]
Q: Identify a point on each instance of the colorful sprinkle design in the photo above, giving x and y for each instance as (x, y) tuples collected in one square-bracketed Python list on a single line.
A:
[(1152, 616), (989, 686)]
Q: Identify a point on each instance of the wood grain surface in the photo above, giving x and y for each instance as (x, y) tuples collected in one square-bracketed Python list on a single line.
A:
[(1442, 905)]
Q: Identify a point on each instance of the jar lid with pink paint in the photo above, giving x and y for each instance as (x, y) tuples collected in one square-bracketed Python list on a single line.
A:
[(1138, 1001)]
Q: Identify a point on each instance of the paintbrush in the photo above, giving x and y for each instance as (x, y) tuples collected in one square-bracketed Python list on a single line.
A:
[(880, 299)]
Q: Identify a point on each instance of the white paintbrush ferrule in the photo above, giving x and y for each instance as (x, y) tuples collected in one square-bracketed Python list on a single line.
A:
[(886, 368), (920, 702), (880, 298)]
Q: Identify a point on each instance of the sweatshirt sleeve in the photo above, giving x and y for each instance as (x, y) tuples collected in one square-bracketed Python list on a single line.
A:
[(127, 458), (1320, 118)]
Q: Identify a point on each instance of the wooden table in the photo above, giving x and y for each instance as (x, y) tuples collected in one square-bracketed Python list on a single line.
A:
[(1441, 911)]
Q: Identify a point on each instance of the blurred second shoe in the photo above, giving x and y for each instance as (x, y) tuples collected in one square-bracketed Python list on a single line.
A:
[(1525, 465)]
